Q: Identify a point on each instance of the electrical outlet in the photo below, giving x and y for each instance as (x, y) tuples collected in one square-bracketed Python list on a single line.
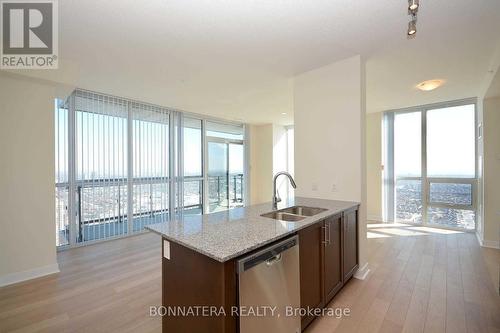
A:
[(314, 187), (334, 187), (166, 249)]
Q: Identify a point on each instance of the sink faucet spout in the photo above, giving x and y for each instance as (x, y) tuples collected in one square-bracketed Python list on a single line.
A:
[(276, 196)]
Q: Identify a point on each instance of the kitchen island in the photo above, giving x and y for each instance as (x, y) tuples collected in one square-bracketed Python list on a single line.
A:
[(200, 255)]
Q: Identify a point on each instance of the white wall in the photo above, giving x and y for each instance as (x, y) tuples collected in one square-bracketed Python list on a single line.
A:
[(261, 163), (329, 110), (27, 212), (279, 148), (373, 166), (280, 159), (268, 155), (491, 190)]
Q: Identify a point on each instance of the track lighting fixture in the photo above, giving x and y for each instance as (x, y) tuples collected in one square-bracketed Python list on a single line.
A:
[(412, 28), (413, 6)]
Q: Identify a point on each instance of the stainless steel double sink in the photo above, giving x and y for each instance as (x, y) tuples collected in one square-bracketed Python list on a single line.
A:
[(294, 214)]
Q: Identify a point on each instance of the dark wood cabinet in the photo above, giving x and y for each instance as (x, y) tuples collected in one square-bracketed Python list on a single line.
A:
[(311, 266), (350, 243), (328, 259), (332, 279)]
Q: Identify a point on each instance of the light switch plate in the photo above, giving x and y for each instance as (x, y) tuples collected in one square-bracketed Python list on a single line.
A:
[(166, 249)]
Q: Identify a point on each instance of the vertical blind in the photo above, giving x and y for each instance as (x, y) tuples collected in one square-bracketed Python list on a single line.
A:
[(100, 166), (120, 165)]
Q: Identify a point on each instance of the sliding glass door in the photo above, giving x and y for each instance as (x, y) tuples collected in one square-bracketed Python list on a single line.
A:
[(431, 165), (225, 155), (218, 174), (236, 162)]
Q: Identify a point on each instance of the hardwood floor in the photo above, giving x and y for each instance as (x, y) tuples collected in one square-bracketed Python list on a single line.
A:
[(421, 280), (107, 287)]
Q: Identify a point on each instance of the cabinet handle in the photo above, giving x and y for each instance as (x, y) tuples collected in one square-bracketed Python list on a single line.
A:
[(325, 240), (329, 233), (327, 236)]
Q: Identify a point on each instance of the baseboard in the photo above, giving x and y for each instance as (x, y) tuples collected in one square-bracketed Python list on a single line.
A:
[(491, 244), (28, 275), (488, 243), (375, 218), (362, 272)]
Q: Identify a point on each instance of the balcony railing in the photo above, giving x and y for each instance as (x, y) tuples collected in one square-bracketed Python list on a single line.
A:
[(102, 203)]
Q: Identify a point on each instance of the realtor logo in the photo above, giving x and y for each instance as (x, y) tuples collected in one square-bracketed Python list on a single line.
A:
[(29, 34)]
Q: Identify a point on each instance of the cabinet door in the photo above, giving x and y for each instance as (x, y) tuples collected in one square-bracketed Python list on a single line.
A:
[(332, 257), (310, 253), (350, 243)]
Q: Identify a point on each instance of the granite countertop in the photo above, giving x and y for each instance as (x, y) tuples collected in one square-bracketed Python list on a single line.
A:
[(226, 235)]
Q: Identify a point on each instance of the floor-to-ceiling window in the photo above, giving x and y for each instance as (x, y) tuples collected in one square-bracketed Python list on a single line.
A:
[(193, 166), (430, 173), (98, 167), (61, 173), (121, 165), (150, 164), (408, 166), (451, 166)]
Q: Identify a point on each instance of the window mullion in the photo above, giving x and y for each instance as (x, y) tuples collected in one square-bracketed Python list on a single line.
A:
[(71, 172), (130, 169), (425, 185)]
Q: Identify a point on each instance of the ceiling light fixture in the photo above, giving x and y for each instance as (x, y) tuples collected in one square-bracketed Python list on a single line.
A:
[(412, 28), (430, 85), (413, 6), (283, 113)]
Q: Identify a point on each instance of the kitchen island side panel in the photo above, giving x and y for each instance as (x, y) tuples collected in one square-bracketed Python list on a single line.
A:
[(193, 279)]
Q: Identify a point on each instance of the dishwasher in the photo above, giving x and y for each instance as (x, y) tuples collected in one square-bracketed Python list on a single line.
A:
[(270, 279)]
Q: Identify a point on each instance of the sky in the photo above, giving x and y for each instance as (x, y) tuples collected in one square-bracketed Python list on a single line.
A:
[(450, 143)]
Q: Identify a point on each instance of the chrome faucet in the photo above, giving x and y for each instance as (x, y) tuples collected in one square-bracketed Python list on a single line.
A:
[(276, 195)]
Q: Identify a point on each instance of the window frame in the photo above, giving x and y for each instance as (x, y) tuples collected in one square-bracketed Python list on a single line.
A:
[(390, 179), (206, 139)]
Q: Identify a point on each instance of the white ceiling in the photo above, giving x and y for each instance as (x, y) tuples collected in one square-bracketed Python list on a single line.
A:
[(457, 41), (235, 58)]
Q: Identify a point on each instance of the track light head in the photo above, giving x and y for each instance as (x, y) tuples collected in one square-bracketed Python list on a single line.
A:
[(413, 6), (412, 28)]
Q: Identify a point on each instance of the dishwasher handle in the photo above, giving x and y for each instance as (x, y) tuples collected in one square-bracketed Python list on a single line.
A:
[(274, 260), (270, 255)]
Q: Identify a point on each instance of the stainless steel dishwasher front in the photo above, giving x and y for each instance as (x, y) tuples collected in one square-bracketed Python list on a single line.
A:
[(269, 283)]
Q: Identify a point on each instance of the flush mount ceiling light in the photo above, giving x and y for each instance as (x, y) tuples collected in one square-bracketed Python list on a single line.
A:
[(430, 85), (283, 113)]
